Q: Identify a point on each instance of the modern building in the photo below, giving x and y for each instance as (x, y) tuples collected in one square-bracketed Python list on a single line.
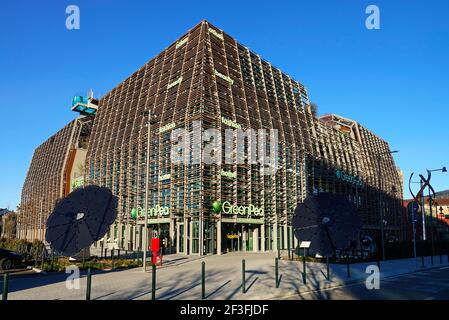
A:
[(153, 137), (57, 167)]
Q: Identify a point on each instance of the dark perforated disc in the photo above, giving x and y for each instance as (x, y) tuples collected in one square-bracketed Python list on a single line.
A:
[(80, 219), (329, 221)]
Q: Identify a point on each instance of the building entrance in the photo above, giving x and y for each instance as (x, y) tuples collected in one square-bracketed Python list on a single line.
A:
[(240, 237), (161, 231)]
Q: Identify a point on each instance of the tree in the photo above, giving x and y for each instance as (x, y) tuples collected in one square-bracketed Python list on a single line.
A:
[(10, 225), (314, 108)]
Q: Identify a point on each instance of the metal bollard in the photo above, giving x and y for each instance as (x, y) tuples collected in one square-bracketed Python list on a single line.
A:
[(276, 272), (5, 287), (203, 280), (304, 272), (243, 277), (153, 283), (89, 283)]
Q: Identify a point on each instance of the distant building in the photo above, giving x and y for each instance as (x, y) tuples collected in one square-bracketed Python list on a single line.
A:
[(439, 217), (207, 80)]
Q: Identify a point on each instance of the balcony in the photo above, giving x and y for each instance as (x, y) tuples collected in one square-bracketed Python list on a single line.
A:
[(85, 106)]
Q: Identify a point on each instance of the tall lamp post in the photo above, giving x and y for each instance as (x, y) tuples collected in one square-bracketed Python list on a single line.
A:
[(147, 165), (429, 172), (381, 219)]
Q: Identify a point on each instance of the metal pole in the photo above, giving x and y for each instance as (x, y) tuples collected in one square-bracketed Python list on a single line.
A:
[(5, 287), (153, 283), (382, 236), (327, 269), (147, 165), (414, 236), (423, 213), (276, 272), (243, 277), (203, 280), (431, 228), (89, 283), (304, 275)]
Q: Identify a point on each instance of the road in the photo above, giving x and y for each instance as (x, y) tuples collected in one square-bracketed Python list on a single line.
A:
[(425, 285)]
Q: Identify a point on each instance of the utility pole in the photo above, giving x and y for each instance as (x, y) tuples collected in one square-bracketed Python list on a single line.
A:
[(147, 165), (382, 232)]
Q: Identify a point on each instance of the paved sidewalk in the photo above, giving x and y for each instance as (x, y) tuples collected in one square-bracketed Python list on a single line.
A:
[(180, 278)]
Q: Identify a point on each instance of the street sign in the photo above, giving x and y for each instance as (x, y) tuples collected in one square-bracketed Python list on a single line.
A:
[(412, 210), (305, 244)]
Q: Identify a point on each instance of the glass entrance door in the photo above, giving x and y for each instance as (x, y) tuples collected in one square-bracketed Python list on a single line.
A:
[(209, 237), (249, 237), (231, 237), (180, 237)]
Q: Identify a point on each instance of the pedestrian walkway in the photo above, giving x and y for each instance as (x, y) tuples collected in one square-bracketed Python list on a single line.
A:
[(180, 278)]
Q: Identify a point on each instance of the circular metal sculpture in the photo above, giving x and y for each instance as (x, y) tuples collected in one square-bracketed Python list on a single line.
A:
[(329, 221), (80, 219)]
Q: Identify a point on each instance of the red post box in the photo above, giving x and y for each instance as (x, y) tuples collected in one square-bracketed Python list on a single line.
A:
[(155, 247)]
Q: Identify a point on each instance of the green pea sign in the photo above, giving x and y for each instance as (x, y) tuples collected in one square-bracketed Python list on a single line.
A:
[(152, 212), (248, 211)]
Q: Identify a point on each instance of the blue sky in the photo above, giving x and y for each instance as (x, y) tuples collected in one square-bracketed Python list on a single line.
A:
[(394, 81)]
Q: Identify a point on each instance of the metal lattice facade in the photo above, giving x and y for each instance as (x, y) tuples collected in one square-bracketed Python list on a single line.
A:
[(207, 80)]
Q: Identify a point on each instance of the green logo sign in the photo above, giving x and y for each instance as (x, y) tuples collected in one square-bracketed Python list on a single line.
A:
[(77, 183), (156, 211), (251, 210), (216, 207), (340, 174)]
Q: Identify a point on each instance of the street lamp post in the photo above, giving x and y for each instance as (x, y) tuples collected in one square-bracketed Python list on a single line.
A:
[(381, 219), (147, 165)]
